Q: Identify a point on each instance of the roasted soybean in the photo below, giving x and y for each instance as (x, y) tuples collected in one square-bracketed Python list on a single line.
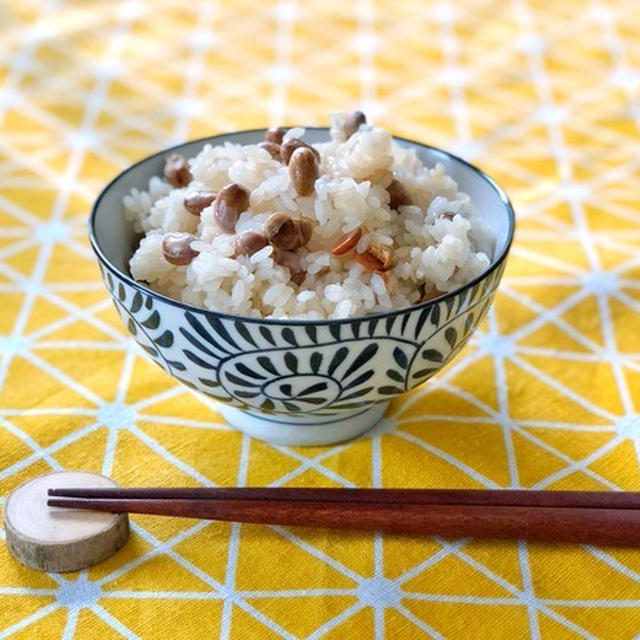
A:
[(230, 202), (303, 169), (176, 170), (176, 248)]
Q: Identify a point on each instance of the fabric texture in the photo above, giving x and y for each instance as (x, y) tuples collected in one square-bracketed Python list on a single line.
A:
[(544, 97)]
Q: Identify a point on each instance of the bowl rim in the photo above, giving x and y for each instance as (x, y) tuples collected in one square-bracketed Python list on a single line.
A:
[(495, 263)]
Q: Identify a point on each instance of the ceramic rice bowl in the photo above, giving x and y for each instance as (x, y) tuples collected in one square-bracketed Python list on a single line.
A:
[(298, 382)]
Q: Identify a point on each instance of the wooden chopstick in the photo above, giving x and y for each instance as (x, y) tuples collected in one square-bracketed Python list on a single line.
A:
[(480, 497), (599, 526), (602, 518)]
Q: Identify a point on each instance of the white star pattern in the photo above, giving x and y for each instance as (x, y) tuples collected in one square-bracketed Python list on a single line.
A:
[(563, 312)]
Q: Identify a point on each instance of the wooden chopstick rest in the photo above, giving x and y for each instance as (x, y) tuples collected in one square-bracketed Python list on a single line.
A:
[(50, 539)]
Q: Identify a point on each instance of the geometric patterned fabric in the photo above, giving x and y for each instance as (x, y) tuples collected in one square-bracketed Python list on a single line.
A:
[(544, 96)]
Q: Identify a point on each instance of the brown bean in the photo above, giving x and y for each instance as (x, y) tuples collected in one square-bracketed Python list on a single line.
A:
[(298, 276), (291, 260), (176, 248), (196, 202), (250, 242), (353, 121), (303, 169), (398, 195), (230, 202), (176, 170), (272, 147), (285, 232), (428, 291), (377, 257), (368, 261), (281, 231), (306, 230), (274, 134), (347, 243), (287, 148)]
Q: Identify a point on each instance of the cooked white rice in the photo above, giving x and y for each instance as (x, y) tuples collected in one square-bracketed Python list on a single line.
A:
[(429, 248)]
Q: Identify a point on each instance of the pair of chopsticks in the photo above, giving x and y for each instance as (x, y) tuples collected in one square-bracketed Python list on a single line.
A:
[(602, 518)]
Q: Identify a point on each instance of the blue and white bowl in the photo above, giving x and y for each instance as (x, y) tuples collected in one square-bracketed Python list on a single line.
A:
[(303, 382)]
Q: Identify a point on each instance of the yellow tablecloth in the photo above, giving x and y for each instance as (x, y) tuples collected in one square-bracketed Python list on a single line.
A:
[(542, 95)]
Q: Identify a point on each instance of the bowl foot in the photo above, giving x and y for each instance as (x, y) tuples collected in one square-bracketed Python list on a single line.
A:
[(306, 430)]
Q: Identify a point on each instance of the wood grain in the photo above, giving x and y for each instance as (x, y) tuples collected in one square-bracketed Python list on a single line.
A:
[(506, 497), (599, 518), (54, 540)]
